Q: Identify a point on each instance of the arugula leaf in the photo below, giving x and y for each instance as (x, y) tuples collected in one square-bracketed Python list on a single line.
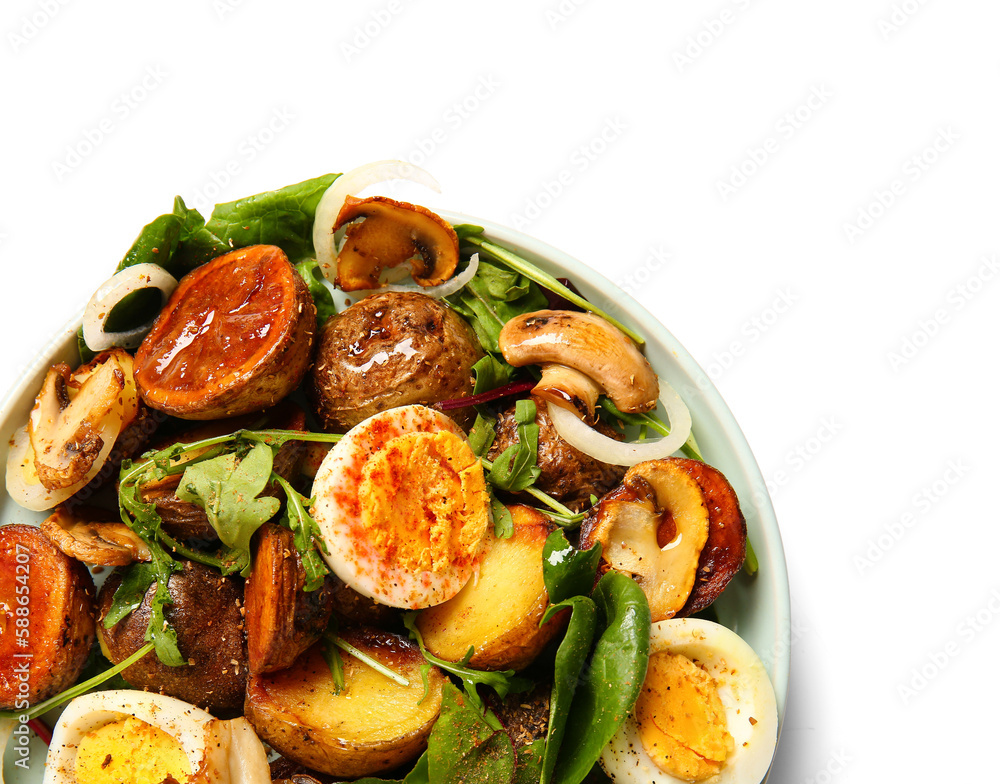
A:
[(227, 489), (493, 297), (490, 373), (567, 571), (306, 534), (517, 466), (503, 682), (283, 217), (503, 521), (482, 434), (321, 294), (136, 580)]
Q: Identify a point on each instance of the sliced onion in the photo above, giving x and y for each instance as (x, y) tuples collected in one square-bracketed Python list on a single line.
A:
[(600, 447), (113, 291), (445, 289), (349, 184)]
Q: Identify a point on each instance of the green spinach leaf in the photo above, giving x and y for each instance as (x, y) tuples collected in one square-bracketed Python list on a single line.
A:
[(517, 466), (566, 570), (465, 746), (612, 679), (283, 217), (321, 294)]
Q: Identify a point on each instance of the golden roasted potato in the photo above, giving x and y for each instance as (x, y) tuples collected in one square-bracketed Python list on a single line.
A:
[(282, 618), (207, 617), (48, 603), (498, 613), (372, 726)]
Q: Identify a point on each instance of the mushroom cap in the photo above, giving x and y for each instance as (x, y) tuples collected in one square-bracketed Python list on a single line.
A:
[(586, 343)]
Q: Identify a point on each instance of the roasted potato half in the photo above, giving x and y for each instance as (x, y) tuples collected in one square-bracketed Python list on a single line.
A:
[(206, 614), (498, 613), (47, 610), (282, 618), (390, 350), (371, 726)]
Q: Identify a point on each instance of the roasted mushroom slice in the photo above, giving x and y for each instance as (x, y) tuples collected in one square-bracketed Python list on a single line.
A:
[(389, 233), (656, 527), (73, 427), (588, 344), (93, 536)]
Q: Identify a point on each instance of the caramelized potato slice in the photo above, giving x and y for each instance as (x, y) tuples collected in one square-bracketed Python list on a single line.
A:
[(282, 619), (371, 726), (498, 613), (56, 594), (235, 337), (393, 232)]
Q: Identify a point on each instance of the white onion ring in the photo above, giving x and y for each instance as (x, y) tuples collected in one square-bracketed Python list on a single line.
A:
[(600, 447), (113, 291), (445, 289), (349, 184)]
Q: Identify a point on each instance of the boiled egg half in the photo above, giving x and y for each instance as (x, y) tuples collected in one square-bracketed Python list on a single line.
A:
[(707, 711), (139, 737), (402, 505)]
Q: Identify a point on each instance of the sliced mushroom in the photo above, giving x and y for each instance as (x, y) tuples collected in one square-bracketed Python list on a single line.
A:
[(77, 417), (675, 527), (653, 529), (585, 343), (87, 534), (390, 234)]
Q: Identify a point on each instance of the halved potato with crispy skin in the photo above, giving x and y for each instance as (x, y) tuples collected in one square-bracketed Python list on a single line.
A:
[(371, 726), (675, 527), (497, 613), (236, 336), (282, 618), (46, 610)]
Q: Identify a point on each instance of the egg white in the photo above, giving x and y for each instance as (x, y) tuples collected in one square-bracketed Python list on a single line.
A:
[(221, 752), (355, 559), (744, 690)]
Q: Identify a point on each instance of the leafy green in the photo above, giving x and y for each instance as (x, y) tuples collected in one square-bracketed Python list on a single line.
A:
[(227, 488), (517, 466), (136, 580), (466, 746), (493, 297), (610, 682), (609, 412), (570, 657), (283, 217), (503, 682), (490, 373), (305, 533), (321, 294), (503, 521), (482, 434), (531, 272), (567, 571)]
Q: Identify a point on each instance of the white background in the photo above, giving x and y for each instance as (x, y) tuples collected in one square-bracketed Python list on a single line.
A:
[(761, 174)]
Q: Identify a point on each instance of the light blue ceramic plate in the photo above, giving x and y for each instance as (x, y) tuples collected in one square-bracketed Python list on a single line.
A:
[(756, 608)]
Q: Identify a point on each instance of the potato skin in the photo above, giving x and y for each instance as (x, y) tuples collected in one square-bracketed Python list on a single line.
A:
[(282, 618), (390, 350), (568, 474), (59, 595), (206, 614), (254, 347), (296, 712)]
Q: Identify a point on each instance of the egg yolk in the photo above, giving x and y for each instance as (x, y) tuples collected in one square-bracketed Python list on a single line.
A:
[(682, 723), (423, 501), (130, 751)]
